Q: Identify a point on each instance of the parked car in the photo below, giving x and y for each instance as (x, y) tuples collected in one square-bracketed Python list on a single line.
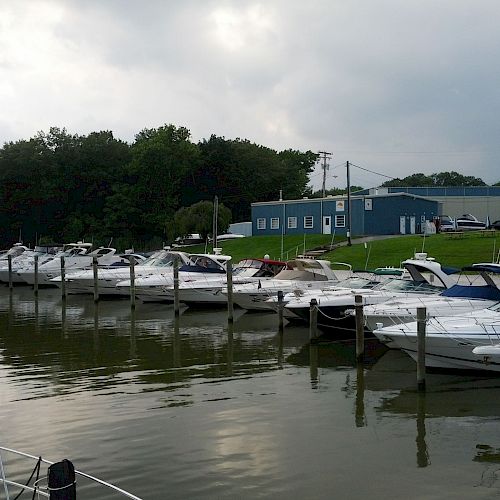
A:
[(445, 223), (495, 225)]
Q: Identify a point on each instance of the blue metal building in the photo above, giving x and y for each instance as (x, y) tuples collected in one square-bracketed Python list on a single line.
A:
[(371, 213)]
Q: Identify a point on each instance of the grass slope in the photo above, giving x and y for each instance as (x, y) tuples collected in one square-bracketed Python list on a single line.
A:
[(387, 252), (390, 252)]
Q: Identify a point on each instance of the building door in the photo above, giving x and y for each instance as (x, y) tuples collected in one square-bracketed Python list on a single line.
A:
[(412, 224), (402, 224), (327, 224)]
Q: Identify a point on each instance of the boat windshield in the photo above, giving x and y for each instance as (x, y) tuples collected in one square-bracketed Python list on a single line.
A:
[(401, 285), (356, 282), (495, 307), (162, 259), (263, 268), (71, 252)]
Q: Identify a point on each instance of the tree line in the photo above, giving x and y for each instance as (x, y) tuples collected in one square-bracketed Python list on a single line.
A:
[(57, 186)]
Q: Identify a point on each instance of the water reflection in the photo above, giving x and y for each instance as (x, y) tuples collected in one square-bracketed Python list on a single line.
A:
[(201, 409), (360, 396), (107, 344), (422, 451)]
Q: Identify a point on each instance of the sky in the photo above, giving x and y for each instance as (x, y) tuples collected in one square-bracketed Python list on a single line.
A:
[(396, 87)]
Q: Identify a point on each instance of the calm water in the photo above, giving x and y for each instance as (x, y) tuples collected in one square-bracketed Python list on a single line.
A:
[(197, 412)]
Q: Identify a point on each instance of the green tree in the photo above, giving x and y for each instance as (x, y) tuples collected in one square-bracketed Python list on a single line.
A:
[(162, 159), (198, 218), (333, 192), (437, 179), (241, 172)]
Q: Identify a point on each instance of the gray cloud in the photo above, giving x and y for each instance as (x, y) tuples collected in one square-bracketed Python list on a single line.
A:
[(397, 87)]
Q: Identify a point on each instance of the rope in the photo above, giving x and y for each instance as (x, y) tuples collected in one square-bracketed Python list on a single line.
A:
[(37, 470)]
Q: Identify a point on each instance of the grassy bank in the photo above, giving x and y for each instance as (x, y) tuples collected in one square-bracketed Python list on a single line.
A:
[(472, 248)]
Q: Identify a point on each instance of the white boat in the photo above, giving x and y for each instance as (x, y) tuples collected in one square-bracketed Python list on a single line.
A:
[(208, 290), (26, 260), (300, 273), (76, 257), (456, 300), (156, 287), (487, 353), (82, 281), (450, 341), (426, 277), (468, 222), (14, 252), (70, 251), (59, 480)]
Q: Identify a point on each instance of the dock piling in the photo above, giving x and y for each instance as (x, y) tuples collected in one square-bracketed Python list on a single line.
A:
[(280, 311), (9, 262), (35, 284), (421, 327), (229, 282), (63, 277), (313, 319), (96, 284), (132, 282), (176, 288), (360, 327)]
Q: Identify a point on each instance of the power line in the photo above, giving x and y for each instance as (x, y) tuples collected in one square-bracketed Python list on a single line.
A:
[(372, 172)]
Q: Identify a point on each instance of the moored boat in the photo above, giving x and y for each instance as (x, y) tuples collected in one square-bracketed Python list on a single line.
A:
[(450, 341), (456, 300)]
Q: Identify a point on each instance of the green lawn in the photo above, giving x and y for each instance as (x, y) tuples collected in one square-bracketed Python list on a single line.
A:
[(388, 252)]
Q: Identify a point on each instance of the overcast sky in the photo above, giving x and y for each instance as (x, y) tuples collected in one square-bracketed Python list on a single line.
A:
[(396, 87)]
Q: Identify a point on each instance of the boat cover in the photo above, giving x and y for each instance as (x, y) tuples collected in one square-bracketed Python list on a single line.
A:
[(486, 292)]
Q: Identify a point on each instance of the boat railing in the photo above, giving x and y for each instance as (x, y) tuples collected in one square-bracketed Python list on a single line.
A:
[(41, 489)]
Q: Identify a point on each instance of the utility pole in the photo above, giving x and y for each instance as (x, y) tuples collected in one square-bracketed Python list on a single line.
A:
[(349, 243), (324, 155)]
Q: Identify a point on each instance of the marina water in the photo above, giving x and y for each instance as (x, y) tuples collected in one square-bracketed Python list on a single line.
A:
[(192, 410)]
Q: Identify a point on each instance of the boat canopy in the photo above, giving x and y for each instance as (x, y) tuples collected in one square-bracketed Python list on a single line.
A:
[(485, 292)]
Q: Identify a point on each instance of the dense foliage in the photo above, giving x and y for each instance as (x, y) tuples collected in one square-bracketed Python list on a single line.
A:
[(60, 187), (440, 179)]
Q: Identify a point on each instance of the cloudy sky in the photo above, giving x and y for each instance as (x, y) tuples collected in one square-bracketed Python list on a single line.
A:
[(394, 86)]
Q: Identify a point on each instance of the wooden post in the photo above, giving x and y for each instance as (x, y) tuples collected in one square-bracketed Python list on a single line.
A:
[(280, 311), (9, 261), (229, 282), (132, 282), (313, 319), (35, 285), (96, 285), (176, 287), (421, 324), (360, 327), (63, 277)]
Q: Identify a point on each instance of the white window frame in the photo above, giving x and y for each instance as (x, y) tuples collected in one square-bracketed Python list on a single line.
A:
[(340, 220), (275, 223), (308, 221), (292, 222), (261, 223)]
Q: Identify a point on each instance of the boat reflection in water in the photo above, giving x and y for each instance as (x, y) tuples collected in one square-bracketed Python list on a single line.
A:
[(203, 409)]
